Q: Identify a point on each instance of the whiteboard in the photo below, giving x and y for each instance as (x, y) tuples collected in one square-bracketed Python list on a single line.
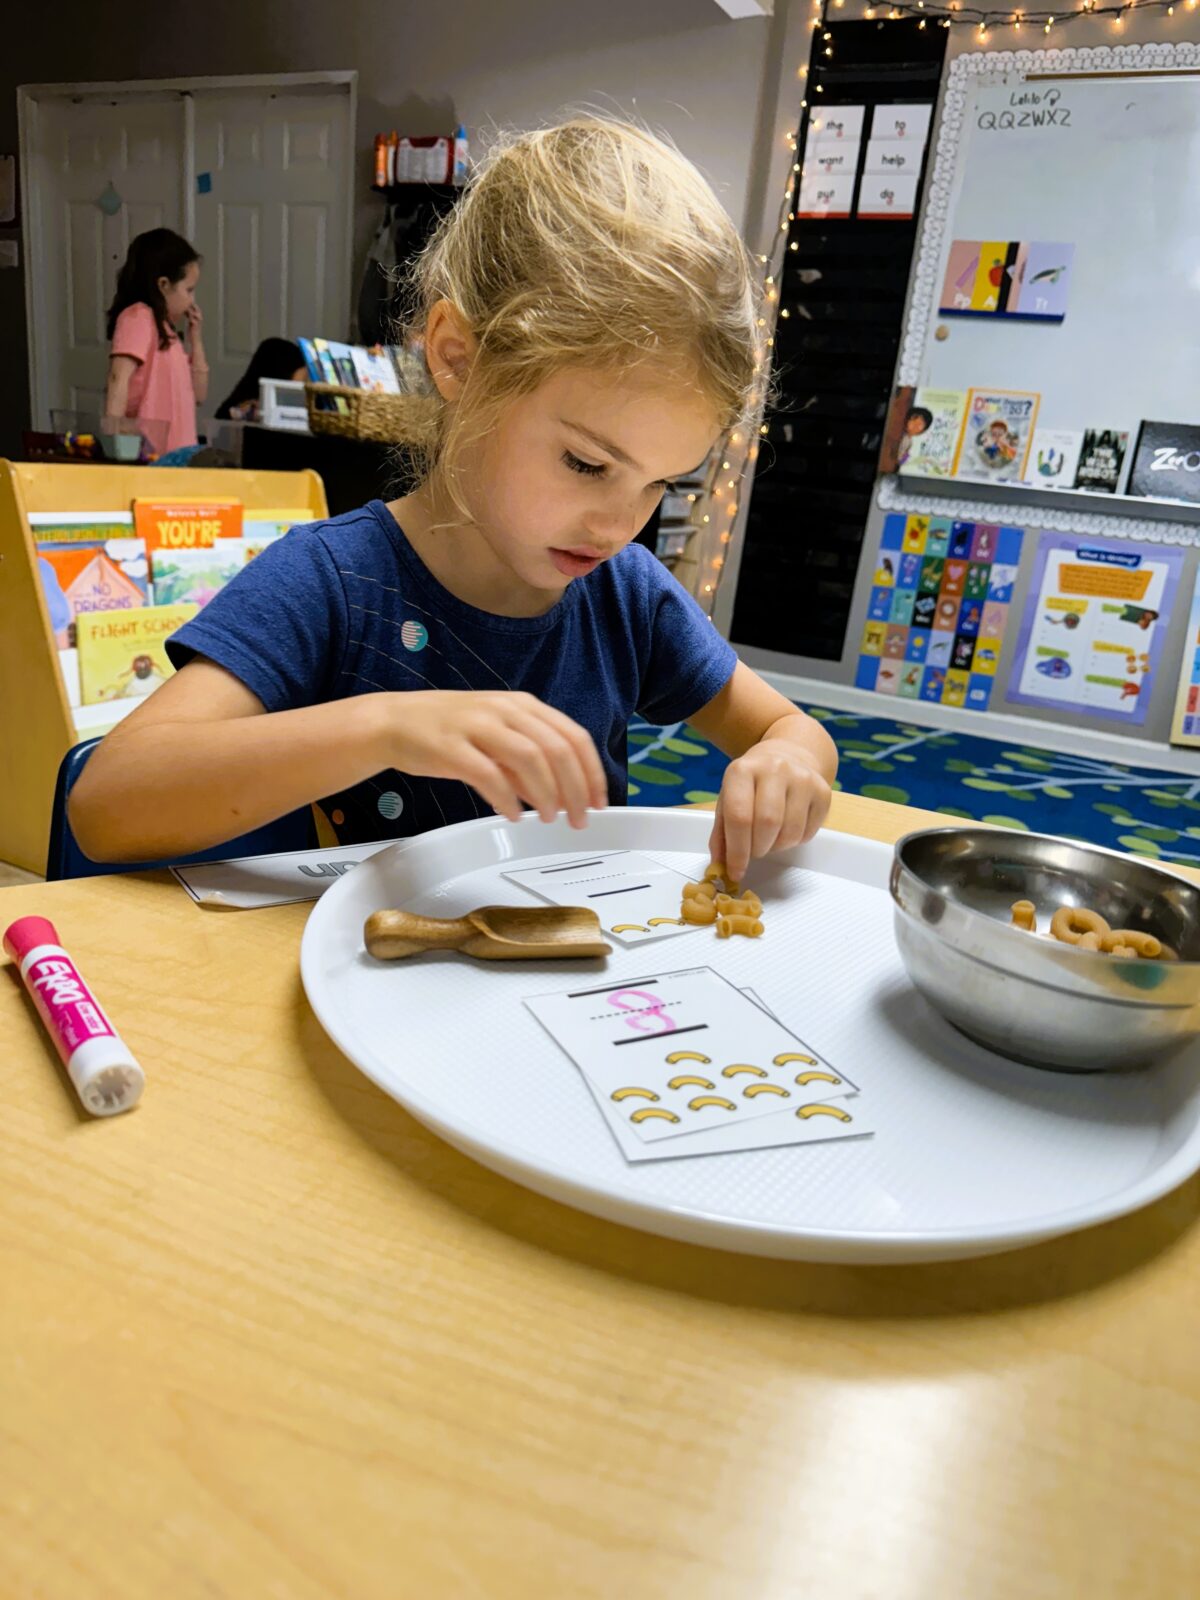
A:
[(1110, 164)]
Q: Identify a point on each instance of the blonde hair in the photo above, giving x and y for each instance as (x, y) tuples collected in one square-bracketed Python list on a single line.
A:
[(592, 243)]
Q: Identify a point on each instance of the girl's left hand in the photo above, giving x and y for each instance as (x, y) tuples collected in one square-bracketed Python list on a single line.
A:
[(771, 798)]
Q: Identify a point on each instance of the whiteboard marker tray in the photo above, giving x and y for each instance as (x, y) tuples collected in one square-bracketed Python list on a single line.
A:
[(972, 1154)]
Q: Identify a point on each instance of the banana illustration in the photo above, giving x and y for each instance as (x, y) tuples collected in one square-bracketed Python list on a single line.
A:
[(670, 922), (629, 927), (677, 1056), (686, 1078), (633, 1094), (647, 1112), (702, 1100), (765, 1088), (782, 1061), (824, 1111), (732, 1072), (804, 1078)]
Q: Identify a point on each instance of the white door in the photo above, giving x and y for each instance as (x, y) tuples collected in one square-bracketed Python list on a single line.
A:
[(273, 169), (106, 169)]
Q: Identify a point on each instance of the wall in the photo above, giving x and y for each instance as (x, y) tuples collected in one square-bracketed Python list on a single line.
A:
[(794, 24), (681, 65)]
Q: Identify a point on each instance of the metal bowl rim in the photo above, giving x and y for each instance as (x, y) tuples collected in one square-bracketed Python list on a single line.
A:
[(1069, 950)]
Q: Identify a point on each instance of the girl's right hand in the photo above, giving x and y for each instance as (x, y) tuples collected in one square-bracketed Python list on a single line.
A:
[(506, 745)]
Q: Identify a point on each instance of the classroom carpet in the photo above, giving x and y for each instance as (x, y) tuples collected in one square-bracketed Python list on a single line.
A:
[(1152, 813)]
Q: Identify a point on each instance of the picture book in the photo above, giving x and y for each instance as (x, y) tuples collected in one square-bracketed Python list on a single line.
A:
[(1100, 460), (194, 576), (1053, 458), (1166, 463), (79, 527), (997, 434), (262, 527), (932, 429), (353, 366), (123, 656), (186, 524), (82, 578)]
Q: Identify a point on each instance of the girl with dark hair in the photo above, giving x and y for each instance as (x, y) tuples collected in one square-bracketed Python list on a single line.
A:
[(274, 358), (151, 373)]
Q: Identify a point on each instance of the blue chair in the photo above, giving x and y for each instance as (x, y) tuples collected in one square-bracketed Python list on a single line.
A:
[(297, 831)]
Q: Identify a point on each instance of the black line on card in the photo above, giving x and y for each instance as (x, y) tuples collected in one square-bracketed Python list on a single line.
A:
[(632, 889), (571, 866), (639, 983), (697, 1027)]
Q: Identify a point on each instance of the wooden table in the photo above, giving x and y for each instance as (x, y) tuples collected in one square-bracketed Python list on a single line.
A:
[(268, 1339)]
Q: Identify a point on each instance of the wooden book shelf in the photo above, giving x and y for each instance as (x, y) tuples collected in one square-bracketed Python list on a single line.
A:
[(37, 724)]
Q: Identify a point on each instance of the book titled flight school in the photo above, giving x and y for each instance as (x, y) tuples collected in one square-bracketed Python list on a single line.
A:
[(122, 654)]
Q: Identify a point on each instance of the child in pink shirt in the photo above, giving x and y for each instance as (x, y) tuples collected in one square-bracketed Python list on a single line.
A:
[(151, 373)]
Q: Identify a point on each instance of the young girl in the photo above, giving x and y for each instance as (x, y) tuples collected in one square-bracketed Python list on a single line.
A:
[(150, 372), (589, 321)]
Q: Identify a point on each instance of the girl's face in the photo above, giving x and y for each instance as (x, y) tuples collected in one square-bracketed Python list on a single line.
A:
[(181, 295), (573, 471)]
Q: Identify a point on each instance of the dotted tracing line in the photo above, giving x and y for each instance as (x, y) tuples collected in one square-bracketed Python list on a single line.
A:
[(635, 1011)]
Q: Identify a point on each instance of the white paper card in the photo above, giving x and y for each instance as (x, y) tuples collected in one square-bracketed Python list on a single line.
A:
[(825, 197), (832, 160), (635, 899), (901, 122), (679, 1056), (892, 158), (887, 197), (252, 882), (834, 123)]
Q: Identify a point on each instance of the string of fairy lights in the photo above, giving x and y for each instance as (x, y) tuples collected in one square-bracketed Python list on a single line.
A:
[(716, 505)]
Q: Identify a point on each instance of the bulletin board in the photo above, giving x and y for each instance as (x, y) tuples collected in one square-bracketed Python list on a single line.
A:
[(1096, 152)]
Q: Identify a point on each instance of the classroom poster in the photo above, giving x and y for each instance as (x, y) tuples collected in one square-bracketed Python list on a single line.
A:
[(938, 610), (1185, 724), (1094, 626), (997, 433)]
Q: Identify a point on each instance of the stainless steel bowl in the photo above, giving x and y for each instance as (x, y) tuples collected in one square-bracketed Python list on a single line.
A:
[(1035, 999)]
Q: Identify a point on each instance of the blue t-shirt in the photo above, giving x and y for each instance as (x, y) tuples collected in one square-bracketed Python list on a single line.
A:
[(347, 607)]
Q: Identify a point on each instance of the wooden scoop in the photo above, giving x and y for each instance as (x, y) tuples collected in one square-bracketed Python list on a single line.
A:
[(493, 933)]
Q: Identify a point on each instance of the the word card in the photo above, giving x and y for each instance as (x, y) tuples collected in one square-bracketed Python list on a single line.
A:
[(635, 899), (683, 1063)]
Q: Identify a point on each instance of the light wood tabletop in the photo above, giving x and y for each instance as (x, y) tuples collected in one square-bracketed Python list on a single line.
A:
[(266, 1338)]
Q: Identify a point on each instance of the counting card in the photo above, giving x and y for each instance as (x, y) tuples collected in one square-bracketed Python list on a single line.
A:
[(635, 899), (685, 1061)]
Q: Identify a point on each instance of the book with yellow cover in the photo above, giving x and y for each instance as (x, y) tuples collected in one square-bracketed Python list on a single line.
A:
[(122, 654)]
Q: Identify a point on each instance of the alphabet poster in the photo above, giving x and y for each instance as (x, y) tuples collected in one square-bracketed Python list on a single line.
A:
[(938, 610), (1094, 626)]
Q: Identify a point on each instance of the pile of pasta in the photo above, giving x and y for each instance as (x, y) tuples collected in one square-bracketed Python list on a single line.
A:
[(1088, 930), (720, 901)]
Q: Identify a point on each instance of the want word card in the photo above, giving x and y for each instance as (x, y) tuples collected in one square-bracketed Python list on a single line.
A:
[(683, 1063), (635, 899), (938, 610)]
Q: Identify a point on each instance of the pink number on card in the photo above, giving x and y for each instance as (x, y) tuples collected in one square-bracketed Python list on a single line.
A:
[(655, 1018)]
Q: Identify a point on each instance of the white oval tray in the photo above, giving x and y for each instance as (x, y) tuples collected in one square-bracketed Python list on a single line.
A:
[(973, 1154)]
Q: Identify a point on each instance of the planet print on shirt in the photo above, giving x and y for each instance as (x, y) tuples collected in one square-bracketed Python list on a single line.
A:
[(390, 804), (414, 635)]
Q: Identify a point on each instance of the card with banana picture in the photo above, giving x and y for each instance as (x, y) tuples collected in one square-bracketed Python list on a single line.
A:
[(636, 900), (683, 1063)]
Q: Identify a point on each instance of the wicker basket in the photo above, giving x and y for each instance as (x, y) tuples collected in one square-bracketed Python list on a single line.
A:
[(364, 414)]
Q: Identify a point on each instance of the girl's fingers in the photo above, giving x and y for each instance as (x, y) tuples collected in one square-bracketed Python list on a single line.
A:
[(567, 771), (716, 839), (586, 754), (770, 810), (527, 769), (489, 782), (737, 816)]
